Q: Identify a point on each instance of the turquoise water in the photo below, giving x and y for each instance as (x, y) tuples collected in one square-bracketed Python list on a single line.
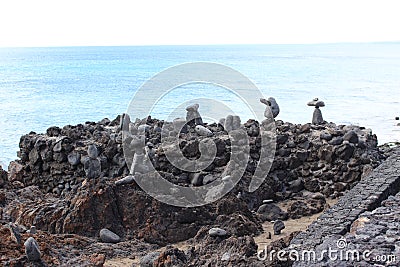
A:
[(42, 87)]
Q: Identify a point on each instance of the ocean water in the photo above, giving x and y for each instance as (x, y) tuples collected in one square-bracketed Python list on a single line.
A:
[(42, 87)]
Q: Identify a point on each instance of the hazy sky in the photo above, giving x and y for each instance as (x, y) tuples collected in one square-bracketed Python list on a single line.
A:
[(156, 22)]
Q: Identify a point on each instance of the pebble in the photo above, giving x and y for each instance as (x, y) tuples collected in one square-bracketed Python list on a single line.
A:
[(57, 147), (305, 128), (32, 230), (126, 180), (108, 236), (336, 141), (351, 136), (226, 256), (92, 151), (317, 195), (316, 103), (92, 167), (213, 232), (32, 250), (296, 185), (202, 131), (325, 136), (74, 159), (278, 227), (226, 178), (271, 212)]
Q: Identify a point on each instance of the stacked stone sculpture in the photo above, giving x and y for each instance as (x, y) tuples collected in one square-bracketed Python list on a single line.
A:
[(272, 107), (193, 117)]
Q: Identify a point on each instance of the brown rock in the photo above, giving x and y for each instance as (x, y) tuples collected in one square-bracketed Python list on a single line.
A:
[(359, 223), (97, 260), (171, 257), (309, 207), (3, 177), (15, 171)]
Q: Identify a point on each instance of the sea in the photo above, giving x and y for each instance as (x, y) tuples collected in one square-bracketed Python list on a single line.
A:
[(57, 86)]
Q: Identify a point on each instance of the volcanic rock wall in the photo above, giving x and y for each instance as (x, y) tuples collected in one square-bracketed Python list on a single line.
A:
[(352, 214), (325, 158), (53, 171)]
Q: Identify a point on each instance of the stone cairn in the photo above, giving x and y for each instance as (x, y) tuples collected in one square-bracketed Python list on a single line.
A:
[(272, 107), (317, 115), (193, 117)]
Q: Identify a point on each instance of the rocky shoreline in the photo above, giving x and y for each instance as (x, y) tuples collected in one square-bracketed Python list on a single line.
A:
[(65, 184)]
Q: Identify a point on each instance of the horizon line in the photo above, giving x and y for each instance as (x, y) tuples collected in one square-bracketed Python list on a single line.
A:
[(220, 44)]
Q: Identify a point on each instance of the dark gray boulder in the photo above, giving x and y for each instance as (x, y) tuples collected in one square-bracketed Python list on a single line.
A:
[(214, 232), (271, 212), (108, 236), (278, 227), (32, 250), (351, 136)]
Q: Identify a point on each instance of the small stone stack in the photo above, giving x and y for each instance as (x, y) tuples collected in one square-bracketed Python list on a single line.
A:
[(193, 116), (272, 107)]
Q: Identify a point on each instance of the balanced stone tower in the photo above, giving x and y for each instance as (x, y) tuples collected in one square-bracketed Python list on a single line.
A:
[(193, 117), (273, 105)]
